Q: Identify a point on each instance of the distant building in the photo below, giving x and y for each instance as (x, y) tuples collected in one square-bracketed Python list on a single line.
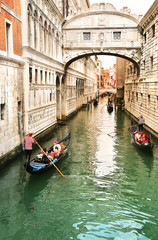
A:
[(106, 77)]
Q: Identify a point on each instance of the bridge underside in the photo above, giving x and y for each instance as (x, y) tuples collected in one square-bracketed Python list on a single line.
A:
[(132, 55)]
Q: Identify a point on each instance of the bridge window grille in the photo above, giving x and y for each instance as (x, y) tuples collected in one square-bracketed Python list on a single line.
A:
[(86, 36), (116, 35)]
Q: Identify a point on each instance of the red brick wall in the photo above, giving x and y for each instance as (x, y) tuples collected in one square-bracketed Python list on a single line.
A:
[(16, 26)]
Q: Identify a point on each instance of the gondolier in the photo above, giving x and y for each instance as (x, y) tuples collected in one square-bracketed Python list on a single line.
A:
[(28, 145), (141, 121)]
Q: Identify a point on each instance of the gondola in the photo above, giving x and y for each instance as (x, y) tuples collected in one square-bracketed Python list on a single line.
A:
[(145, 144), (41, 163), (110, 108), (95, 102)]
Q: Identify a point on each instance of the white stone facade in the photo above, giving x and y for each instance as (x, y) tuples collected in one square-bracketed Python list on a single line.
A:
[(141, 93), (10, 101), (49, 94)]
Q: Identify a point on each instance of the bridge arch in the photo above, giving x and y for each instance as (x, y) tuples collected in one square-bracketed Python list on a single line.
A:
[(102, 30), (84, 55)]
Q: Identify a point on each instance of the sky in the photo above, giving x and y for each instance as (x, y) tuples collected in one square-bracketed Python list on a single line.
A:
[(139, 7)]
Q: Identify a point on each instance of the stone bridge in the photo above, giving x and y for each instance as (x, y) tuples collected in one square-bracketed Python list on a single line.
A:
[(102, 30)]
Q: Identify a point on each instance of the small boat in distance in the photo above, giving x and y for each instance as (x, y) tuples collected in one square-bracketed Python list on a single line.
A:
[(110, 108), (141, 140), (41, 163), (95, 102)]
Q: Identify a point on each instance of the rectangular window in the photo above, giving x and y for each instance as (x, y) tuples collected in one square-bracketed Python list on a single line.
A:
[(129, 96), (137, 97), (50, 97), (2, 111), (151, 62), (41, 76), (86, 36), (49, 77), (153, 30), (8, 38), (132, 96), (144, 64), (45, 76), (144, 38), (36, 75), (19, 106), (148, 100), (116, 35), (141, 101), (30, 75)]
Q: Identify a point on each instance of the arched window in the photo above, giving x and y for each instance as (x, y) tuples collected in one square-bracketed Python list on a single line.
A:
[(45, 36), (35, 28), (41, 34), (29, 9), (49, 40), (52, 42)]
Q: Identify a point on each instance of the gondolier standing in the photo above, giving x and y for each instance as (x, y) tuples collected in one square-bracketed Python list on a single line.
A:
[(28, 145), (140, 123)]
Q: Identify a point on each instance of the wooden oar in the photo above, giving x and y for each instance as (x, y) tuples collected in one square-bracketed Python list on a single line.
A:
[(50, 159), (121, 130)]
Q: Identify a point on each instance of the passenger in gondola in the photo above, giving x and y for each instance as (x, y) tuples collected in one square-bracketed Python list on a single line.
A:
[(44, 150), (137, 136), (143, 137)]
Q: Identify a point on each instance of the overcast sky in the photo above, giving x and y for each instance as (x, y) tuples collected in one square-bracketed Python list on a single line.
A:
[(136, 6), (139, 7)]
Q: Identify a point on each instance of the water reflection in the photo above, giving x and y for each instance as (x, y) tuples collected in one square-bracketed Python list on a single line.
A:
[(112, 193)]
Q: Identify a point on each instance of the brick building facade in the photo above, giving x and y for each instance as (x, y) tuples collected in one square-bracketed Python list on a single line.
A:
[(11, 90)]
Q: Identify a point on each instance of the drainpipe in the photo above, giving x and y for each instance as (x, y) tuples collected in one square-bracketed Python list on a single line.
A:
[(20, 129)]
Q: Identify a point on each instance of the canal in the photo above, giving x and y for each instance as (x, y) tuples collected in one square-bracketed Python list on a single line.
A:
[(111, 191)]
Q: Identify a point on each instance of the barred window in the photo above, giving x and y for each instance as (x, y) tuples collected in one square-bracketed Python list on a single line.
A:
[(86, 36), (116, 35)]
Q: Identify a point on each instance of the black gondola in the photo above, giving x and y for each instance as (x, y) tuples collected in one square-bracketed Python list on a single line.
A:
[(41, 163), (95, 102), (144, 144), (110, 107)]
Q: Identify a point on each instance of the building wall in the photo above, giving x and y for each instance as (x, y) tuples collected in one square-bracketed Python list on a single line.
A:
[(11, 83), (42, 53), (141, 93)]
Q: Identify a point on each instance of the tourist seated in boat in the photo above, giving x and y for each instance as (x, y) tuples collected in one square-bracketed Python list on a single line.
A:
[(42, 156), (44, 150), (144, 138), (137, 136)]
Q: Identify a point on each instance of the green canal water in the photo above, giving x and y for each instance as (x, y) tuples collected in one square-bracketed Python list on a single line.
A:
[(111, 191)]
